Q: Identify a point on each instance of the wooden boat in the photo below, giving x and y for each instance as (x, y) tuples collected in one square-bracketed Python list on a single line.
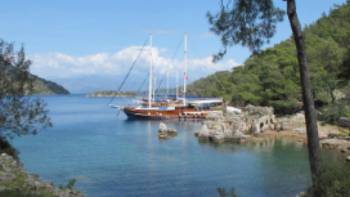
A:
[(196, 109), (156, 112), (181, 108)]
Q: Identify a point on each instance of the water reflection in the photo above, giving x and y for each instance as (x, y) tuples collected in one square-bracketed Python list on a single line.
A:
[(113, 156)]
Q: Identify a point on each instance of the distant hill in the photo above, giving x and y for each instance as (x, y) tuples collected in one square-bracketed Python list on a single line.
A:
[(43, 86), (40, 85), (272, 76), (111, 93)]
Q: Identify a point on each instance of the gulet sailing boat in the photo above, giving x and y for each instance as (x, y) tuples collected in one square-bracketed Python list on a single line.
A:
[(178, 108)]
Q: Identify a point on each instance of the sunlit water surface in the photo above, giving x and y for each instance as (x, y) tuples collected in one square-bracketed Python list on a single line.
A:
[(111, 156)]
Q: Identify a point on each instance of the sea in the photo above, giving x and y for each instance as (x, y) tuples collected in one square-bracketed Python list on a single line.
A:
[(110, 156)]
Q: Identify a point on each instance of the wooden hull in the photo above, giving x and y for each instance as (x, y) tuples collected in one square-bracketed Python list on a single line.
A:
[(178, 112)]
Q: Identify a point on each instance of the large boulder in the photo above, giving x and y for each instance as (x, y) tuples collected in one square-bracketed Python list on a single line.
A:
[(294, 122), (215, 115), (233, 110), (235, 124), (344, 122), (164, 132), (341, 145)]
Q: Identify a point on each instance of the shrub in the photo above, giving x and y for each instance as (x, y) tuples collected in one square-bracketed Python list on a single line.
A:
[(334, 181), (333, 112)]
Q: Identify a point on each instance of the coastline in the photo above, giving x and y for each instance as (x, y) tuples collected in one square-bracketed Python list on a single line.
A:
[(107, 93), (259, 125)]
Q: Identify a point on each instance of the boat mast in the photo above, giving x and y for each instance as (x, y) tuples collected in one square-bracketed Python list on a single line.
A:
[(150, 78), (176, 85), (167, 83), (185, 71), (154, 87)]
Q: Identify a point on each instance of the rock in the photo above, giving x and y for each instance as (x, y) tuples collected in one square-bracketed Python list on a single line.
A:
[(14, 178), (235, 124), (294, 122), (162, 127), (203, 133), (164, 132), (215, 115), (344, 122), (348, 158), (233, 110), (341, 145)]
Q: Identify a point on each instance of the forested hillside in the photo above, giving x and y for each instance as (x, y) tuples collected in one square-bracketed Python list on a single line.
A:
[(39, 85), (43, 86), (271, 77)]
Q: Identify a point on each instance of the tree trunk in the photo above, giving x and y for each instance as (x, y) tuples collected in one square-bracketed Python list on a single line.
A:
[(309, 106)]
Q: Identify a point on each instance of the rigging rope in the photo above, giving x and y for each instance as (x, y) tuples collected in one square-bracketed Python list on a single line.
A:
[(171, 60), (143, 83), (129, 71)]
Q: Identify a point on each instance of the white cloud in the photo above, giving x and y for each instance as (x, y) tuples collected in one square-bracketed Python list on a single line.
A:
[(62, 67)]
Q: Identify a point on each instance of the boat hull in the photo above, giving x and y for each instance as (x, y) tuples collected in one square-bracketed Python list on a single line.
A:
[(157, 114)]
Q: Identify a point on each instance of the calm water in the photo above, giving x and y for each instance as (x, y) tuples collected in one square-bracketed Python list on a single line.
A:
[(110, 156)]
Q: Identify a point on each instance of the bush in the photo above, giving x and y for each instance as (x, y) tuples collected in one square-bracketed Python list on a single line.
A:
[(333, 112), (334, 181), (6, 147), (223, 193)]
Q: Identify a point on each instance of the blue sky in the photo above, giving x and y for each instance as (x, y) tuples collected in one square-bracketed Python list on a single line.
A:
[(85, 44)]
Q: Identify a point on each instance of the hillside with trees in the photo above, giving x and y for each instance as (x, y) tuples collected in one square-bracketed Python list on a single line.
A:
[(43, 86), (37, 84), (271, 77)]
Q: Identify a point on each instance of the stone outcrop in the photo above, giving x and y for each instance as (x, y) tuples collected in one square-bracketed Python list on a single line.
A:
[(344, 122), (341, 145), (164, 132), (258, 125), (14, 181), (236, 125), (294, 122), (258, 119)]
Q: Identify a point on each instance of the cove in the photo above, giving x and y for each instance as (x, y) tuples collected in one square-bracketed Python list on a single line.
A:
[(111, 156)]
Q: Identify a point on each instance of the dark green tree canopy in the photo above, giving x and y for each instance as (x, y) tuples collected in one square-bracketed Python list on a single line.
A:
[(20, 114), (250, 23), (271, 76)]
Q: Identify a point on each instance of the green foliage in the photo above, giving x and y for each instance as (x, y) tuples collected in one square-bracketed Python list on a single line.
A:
[(271, 77), (249, 23), (333, 182), (14, 193), (224, 193), (71, 183), (5, 147), (43, 86), (19, 114), (333, 112)]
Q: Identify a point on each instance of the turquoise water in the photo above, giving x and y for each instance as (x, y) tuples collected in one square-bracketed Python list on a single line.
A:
[(110, 156)]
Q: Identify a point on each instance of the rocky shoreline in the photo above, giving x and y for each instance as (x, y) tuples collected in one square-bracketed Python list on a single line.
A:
[(15, 181), (258, 125)]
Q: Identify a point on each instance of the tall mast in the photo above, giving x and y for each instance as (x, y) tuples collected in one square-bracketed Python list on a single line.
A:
[(150, 78), (167, 83), (177, 84), (154, 87), (185, 71)]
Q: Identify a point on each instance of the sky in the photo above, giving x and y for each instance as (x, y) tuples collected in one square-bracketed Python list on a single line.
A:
[(88, 45)]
